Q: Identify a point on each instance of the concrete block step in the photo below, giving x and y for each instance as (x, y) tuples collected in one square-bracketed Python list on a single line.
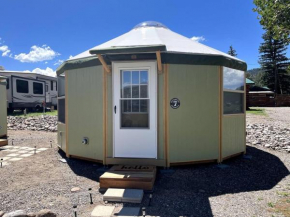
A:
[(124, 195)]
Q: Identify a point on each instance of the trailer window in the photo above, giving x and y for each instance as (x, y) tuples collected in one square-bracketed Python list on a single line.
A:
[(56, 85), (37, 88), (22, 86), (7, 83), (51, 85)]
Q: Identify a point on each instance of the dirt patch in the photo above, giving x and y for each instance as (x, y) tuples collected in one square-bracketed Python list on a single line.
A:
[(247, 187)]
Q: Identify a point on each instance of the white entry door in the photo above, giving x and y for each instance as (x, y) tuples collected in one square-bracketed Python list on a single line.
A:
[(134, 109)]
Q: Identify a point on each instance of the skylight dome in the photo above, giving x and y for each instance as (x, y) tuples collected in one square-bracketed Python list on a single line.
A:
[(150, 24)]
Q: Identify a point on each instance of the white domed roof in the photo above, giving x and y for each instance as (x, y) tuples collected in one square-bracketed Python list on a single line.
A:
[(152, 33)]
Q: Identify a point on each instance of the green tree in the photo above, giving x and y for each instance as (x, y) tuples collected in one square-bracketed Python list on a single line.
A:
[(232, 52), (274, 63), (274, 15)]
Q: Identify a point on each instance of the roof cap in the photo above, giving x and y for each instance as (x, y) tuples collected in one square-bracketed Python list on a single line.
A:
[(150, 24)]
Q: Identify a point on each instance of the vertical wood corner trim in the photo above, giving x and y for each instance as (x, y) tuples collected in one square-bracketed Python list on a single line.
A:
[(159, 63), (66, 116), (245, 108), (106, 67), (220, 113), (104, 115), (165, 115)]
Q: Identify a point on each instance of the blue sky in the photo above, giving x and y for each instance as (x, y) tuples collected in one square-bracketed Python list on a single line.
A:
[(39, 34)]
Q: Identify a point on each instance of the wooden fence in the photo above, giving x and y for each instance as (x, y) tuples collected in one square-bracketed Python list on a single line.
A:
[(267, 100)]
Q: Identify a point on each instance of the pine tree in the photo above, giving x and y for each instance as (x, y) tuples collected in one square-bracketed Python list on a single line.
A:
[(232, 52), (274, 63)]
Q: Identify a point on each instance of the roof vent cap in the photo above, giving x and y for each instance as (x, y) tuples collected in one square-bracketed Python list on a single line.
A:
[(150, 24)]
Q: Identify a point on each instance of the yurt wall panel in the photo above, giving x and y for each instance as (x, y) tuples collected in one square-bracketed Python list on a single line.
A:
[(194, 126), (3, 109), (85, 112), (233, 135)]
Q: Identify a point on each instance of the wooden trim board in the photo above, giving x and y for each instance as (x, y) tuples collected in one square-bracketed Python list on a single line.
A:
[(106, 67), (3, 142), (86, 159), (165, 115), (220, 113), (66, 115), (104, 116), (233, 155), (193, 162), (136, 161)]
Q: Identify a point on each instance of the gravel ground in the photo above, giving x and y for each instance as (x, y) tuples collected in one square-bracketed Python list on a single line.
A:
[(246, 187)]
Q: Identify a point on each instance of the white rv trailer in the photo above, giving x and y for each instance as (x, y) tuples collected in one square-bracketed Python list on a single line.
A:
[(29, 90)]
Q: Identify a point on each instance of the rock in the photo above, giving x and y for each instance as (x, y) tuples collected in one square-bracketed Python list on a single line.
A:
[(31, 215), (2, 213), (17, 213), (75, 189), (45, 213)]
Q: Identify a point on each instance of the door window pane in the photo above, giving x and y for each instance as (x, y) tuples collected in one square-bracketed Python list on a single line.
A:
[(135, 77), (135, 91), (233, 103), (144, 91), (22, 86), (144, 105), (126, 77), (37, 88), (126, 105), (233, 79), (134, 119), (144, 77)]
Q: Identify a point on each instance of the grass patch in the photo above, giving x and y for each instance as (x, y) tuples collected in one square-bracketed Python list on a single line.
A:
[(282, 206), (283, 194), (271, 205), (257, 111), (260, 198), (32, 114)]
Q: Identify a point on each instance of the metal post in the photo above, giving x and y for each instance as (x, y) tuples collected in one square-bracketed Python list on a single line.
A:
[(150, 198), (143, 211), (34, 149), (12, 141), (50, 144), (1, 162), (91, 199), (75, 210)]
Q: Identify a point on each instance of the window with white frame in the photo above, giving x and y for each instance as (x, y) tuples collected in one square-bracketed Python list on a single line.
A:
[(233, 91)]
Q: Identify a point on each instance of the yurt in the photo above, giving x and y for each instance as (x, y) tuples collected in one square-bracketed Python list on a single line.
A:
[(3, 112), (152, 97)]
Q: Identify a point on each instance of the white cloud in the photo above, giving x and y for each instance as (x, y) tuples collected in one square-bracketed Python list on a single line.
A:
[(5, 50), (70, 57), (48, 71), (37, 54), (198, 38), (58, 62)]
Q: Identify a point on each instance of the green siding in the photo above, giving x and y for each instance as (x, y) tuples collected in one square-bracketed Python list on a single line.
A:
[(3, 109), (233, 135), (109, 116), (85, 111), (61, 136), (194, 126)]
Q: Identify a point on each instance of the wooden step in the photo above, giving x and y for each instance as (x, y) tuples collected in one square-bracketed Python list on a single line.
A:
[(134, 177), (3, 142)]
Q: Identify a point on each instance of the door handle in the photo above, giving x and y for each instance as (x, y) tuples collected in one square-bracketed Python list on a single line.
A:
[(115, 109)]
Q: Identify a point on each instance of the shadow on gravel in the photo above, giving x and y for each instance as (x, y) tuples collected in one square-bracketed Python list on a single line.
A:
[(186, 191), (83, 168)]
